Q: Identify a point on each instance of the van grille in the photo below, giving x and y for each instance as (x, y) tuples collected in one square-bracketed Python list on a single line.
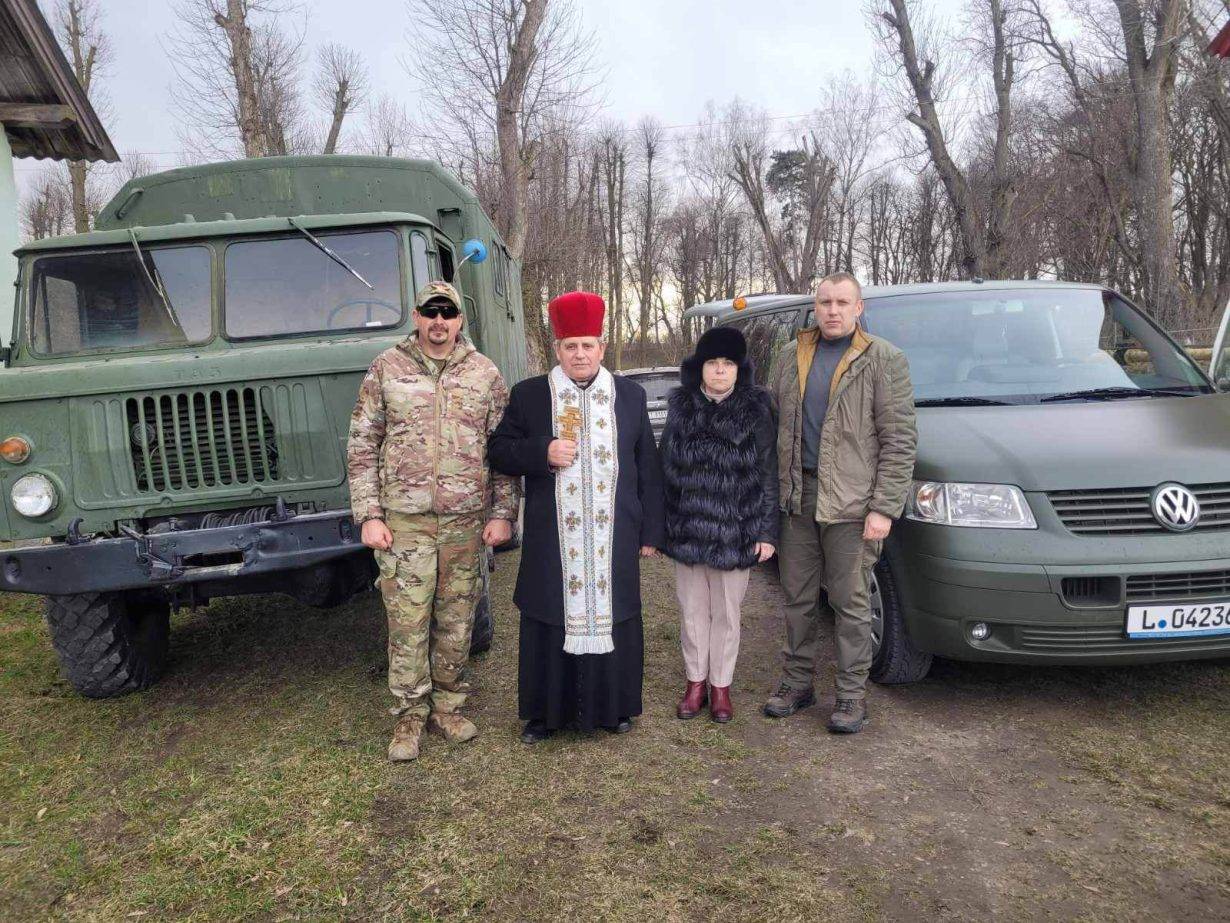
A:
[(201, 439), (1179, 586), (1126, 511), (1074, 640)]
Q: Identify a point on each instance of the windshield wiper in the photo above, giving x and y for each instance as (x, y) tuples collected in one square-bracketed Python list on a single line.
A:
[(155, 283), (1114, 394), (960, 402), (329, 253)]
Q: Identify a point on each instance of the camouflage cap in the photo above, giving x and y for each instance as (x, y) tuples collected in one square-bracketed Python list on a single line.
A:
[(433, 291)]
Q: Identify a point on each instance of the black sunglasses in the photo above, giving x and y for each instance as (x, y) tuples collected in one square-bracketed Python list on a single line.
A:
[(432, 311)]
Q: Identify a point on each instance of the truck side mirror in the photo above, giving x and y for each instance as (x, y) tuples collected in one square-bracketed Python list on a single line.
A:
[(474, 250), (6, 353)]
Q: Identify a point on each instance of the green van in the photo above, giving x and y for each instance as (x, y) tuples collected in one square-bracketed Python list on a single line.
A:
[(1071, 501), (176, 396)]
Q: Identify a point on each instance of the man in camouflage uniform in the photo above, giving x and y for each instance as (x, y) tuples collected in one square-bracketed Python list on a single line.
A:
[(421, 487)]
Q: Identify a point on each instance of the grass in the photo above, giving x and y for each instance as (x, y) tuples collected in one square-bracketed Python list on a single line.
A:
[(251, 783)]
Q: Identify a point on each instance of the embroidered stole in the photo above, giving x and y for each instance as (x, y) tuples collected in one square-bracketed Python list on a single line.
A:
[(585, 508)]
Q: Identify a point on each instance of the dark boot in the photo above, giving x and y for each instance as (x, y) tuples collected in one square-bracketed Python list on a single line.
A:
[(535, 732), (848, 717), (720, 709), (693, 700), (787, 700)]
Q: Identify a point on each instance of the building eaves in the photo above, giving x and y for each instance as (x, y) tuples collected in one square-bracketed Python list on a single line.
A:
[(35, 73)]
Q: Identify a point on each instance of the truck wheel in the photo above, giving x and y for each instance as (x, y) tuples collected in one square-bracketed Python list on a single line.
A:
[(483, 632), (109, 643), (895, 659)]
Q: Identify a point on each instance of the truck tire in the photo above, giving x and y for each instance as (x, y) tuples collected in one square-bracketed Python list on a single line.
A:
[(484, 628), (895, 660), (483, 632), (109, 643)]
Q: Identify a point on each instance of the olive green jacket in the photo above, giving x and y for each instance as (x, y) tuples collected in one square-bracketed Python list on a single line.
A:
[(868, 442)]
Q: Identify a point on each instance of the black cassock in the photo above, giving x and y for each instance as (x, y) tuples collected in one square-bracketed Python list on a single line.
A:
[(585, 690)]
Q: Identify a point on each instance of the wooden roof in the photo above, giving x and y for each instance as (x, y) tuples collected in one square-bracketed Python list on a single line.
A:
[(43, 108)]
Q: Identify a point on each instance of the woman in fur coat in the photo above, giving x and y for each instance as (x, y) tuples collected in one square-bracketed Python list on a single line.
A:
[(719, 461)]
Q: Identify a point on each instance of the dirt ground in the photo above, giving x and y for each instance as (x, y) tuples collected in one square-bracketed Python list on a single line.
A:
[(250, 783)]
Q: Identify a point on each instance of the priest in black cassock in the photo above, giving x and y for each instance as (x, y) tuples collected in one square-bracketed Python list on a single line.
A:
[(593, 507)]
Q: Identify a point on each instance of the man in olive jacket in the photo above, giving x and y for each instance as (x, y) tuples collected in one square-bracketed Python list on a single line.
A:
[(846, 443)]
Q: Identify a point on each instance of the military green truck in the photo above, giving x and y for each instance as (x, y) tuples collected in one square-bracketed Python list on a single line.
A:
[(175, 398)]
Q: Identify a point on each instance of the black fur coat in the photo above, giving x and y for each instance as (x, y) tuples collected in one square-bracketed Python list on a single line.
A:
[(719, 466)]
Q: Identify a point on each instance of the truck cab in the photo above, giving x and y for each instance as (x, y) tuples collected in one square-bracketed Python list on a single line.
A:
[(175, 402)]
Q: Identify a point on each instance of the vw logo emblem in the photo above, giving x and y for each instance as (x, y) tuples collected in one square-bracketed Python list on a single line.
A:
[(1176, 507)]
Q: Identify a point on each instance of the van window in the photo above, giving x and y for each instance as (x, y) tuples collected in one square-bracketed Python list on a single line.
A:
[(104, 300), (1023, 346), (766, 334)]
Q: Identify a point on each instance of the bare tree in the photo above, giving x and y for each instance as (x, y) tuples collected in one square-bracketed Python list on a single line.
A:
[(1147, 44), (389, 131), (984, 229), (238, 67), (80, 32), (613, 164), (47, 210), (498, 75), (801, 179), (647, 238), (340, 87)]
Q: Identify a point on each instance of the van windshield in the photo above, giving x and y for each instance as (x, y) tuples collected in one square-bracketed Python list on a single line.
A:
[(1028, 346), (104, 300)]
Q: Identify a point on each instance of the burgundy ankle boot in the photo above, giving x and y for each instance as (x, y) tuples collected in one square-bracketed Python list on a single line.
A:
[(693, 700), (720, 708)]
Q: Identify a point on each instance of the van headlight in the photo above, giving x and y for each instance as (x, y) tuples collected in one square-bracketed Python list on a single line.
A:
[(34, 495), (988, 506)]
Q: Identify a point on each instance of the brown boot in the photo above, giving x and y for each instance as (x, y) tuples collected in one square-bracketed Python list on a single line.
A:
[(787, 700), (848, 717), (453, 727), (720, 708), (693, 700), (405, 743)]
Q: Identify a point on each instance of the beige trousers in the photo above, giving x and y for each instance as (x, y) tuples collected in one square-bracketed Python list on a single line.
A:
[(709, 604)]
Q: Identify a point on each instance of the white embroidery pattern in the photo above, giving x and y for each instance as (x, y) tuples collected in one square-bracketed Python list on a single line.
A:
[(585, 511)]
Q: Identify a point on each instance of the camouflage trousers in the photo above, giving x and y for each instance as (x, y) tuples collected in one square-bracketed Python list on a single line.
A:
[(430, 583)]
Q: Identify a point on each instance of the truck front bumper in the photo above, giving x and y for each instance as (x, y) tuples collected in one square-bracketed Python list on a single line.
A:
[(174, 558)]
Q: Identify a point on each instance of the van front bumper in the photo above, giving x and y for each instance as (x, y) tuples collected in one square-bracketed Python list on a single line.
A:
[(182, 557), (1029, 617)]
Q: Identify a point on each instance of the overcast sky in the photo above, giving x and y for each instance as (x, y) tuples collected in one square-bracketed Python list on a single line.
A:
[(663, 58)]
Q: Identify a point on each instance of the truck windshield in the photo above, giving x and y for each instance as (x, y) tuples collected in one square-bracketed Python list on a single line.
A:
[(1025, 346), (104, 300), (283, 286)]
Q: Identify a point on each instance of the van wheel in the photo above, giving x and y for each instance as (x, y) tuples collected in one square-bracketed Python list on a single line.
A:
[(894, 658), (110, 643)]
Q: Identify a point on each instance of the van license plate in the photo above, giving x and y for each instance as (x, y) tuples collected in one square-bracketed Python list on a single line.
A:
[(1168, 620)]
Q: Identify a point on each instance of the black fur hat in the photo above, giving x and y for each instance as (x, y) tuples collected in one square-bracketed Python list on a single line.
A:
[(717, 343), (721, 343)]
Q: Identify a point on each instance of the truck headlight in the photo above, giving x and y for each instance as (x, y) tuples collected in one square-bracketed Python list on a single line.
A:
[(988, 506), (33, 495)]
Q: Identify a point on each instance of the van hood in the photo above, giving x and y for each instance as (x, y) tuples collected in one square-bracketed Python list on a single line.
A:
[(1139, 442)]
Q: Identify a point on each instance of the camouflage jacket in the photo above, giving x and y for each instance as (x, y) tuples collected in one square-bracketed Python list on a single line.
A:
[(418, 442)]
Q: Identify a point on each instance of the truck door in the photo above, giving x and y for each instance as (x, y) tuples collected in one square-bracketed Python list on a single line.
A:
[(1219, 365)]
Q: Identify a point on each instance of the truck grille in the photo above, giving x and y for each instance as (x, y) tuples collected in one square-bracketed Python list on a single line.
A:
[(1179, 586), (201, 439), (1126, 511)]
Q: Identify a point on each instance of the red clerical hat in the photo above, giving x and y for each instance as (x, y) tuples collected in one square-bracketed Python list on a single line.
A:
[(576, 314)]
